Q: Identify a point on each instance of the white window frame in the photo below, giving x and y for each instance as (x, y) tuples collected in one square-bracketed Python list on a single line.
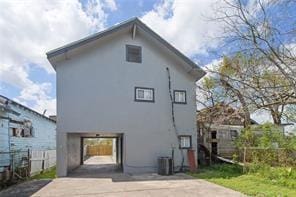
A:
[(148, 94), (185, 141), (177, 97)]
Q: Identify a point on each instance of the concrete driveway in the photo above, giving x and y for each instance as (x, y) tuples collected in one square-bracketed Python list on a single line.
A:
[(105, 187), (105, 180), (97, 160), (141, 185)]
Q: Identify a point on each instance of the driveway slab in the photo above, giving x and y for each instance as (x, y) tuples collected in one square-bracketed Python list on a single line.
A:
[(106, 180), (97, 160), (159, 188), (126, 185)]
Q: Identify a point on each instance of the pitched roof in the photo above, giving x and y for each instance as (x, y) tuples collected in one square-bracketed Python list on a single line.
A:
[(4, 101), (131, 22)]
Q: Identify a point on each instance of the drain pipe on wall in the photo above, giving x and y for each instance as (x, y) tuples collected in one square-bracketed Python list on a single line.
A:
[(173, 120)]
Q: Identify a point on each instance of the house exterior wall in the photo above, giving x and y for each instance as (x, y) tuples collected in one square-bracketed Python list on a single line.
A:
[(95, 93), (4, 141), (73, 147), (225, 143), (44, 133)]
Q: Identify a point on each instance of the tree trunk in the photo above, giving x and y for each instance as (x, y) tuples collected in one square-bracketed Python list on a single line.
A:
[(247, 115), (276, 117)]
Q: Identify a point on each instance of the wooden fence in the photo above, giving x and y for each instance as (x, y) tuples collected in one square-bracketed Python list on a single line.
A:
[(41, 160), (94, 150), (22, 164)]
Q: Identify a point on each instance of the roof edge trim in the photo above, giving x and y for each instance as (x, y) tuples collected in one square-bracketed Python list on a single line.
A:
[(117, 27)]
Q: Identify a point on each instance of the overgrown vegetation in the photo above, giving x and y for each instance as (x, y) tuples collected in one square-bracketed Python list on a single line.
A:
[(267, 145), (259, 180), (283, 176), (48, 174), (269, 159)]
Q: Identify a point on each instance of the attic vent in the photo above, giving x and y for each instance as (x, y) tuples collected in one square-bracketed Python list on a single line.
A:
[(133, 53)]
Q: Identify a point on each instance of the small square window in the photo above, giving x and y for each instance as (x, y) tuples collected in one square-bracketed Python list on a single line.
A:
[(185, 141), (13, 132), (133, 53), (214, 134), (144, 94), (180, 96), (233, 134), (17, 132)]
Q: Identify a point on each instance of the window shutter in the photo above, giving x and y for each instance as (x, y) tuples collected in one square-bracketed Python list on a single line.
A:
[(133, 53)]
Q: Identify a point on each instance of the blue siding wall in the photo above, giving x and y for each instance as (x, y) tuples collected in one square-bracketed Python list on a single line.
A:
[(4, 142), (44, 133)]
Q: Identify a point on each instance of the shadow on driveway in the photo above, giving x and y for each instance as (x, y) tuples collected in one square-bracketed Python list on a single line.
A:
[(112, 172), (24, 189), (94, 181)]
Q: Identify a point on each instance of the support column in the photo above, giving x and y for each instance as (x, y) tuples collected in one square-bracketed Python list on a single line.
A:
[(62, 153)]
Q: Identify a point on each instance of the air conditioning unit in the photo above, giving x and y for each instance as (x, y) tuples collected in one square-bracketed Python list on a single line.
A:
[(165, 166)]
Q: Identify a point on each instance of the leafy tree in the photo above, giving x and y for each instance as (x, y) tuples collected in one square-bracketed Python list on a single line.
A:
[(266, 135), (247, 138)]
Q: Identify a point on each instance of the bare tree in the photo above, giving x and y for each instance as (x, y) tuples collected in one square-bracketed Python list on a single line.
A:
[(218, 90), (257, 29), (256, 86), (245, 82), (260, 72)]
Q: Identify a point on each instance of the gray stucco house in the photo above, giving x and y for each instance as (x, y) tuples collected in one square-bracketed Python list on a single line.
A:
[(130, 84)]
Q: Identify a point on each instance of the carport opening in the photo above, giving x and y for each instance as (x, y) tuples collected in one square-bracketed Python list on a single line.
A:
[(101, 152)]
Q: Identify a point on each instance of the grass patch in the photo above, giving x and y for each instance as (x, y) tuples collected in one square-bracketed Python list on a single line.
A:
[(254, 184), (48, 174)]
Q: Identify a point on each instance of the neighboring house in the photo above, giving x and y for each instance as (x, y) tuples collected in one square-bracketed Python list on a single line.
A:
[(22, 128), (219, 126), (116, 84)]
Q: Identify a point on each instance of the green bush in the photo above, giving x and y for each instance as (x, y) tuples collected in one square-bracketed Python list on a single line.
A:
[(267, 144), (285, 176)]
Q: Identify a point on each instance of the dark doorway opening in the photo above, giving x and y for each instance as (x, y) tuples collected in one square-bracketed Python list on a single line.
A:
[(214, 148), (214, 134)]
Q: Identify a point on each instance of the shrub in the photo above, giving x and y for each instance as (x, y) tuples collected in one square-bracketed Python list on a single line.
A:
[(285, 176), (267, 144)]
